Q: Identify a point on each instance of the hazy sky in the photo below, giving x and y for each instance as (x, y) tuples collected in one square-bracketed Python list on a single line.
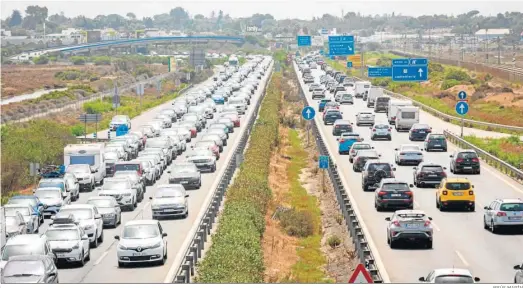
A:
[(304, 9)]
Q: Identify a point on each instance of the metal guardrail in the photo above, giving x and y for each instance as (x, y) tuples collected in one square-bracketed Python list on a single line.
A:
[(193, 253), (490, 159), (359, 239)]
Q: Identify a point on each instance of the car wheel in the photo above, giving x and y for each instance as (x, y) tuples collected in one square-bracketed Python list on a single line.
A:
[(493, 228), (485, 225), (378, 208), (478, 172), (88, 257), (101, 238), (130, 207), (472, 208), (92, 187), (82, 260), (135, 204), (121, 264), (441, 206), (429, 244), (95, 243), (392, 244)]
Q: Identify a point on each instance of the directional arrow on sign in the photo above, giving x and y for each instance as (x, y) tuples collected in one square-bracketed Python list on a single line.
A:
[(420, 71), (413, 62), (461, 108)]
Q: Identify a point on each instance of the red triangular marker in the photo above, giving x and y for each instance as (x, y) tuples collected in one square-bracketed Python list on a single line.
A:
[(360, 275)]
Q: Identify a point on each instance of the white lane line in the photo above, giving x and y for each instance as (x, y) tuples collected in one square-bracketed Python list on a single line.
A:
[(101, 258), (462, 258), (500, 177), (435, 226), (416, 204)]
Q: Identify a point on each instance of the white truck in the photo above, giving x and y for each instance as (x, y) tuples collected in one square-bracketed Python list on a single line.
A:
[(393, 108), (233, 61), (374, 92), (406, 116), (362, 88), (92, 154)]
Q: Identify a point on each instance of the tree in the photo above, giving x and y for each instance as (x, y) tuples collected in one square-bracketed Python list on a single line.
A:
[(15, 19), (305, 31), (39, 13), (180, 16), (131, 15), (199, 17), (148, 22)]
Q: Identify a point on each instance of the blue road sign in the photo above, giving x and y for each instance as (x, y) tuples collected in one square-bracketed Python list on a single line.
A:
[(462, 95), (373, 72), (341, 45), (349, 64), (324, 31), (410, 73), (324, 162), (400, 62), (308, 113), (418, 62), (94, 135), (304, 40), (462, 108)]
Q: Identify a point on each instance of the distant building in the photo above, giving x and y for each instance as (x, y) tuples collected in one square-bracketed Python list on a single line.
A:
[(491, 33)]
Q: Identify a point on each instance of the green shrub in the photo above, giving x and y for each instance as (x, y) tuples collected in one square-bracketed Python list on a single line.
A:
[(102, 60), (457, 74), (297, 223), (334, 241), (449, 83), (97, 107), (78, 130), (42, 60), (143, 70), (78, 60), (382, 82)]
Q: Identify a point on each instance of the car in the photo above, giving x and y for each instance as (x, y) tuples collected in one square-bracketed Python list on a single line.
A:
[(455, 192), (14, 224), (330, 116), (427, 173), (88, 218), (465, 161), (341, 126), (356, 147), (217, 140), (393, 194), (73, 184), (69, 243), (314, 86), (108, 208), (409, 226), (205, 160), (419, 132), (503, 214), (122, 190), (362, 156), (331, 105), (233, 117), (221, 126), (169, 200), (26, 244), (318, 93), (137, 182), (373, 172), (435, 141), (346, 98), (208, 145), (59, 183), (119, 120), (141, 241), (450, 276), (322, 103), (518, 278), (52, 199), (82, 172), (30, 269), (346, 140), (381, 131), (29, 216), (186, 174), (408, 154), (220, 133), (365, 118), (32, 200)]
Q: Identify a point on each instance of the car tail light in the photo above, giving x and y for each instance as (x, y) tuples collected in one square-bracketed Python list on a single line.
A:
[(421, 174), (475, 160), (443, 174), (429, 131), (414, 131), (402, 154), (459, 160), (501, 214), (373, 130), (382, 193), (342, 140), (409, 193), (393, 118), (427, 223), (396, 223), (444, 192), (471, 192), (390, 129)]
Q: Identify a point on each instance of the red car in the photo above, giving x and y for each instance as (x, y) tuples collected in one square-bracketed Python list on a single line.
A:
[(208, 145), (234, 118), (191, 127)]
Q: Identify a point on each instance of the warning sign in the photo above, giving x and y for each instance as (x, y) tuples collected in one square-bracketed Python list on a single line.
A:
[(355, 59), (360, 275)]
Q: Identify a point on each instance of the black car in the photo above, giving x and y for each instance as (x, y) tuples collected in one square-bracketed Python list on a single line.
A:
[(428, 174), (373, 172), (436, 142), (341, 126), (465, 161), (418, 132), (331, 116), (393, 194), (362, 157)]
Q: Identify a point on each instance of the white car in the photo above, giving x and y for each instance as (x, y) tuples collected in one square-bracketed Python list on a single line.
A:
[(69, 243), (365, 118), (52, 199), (409, 154), (450, 276), (88, 218), (122, 190), (30, 218), (141, 241), (119, 120), (170, 200), (83, 174), (503, 214)]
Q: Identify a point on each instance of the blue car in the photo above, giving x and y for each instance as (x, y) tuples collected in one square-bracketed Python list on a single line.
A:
[(38, 207), (346, 140), (321, 106), (218, 99)]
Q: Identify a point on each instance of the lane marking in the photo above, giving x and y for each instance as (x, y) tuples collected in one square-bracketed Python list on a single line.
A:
[(435, 226), (462, 258), (500, 177), (416, 204), (101, 257)]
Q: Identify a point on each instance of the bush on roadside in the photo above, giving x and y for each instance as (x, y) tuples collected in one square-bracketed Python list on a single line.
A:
[(449, 83), (78, 60), (78, 130), (457, 74), (297, 223), (236, 254), (102, 60), (334, 241), (98, 106), (42, 60)]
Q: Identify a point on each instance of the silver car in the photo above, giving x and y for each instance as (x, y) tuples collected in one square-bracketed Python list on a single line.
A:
[(409, 225), (186, 174), (170, 200), (136, 181), (26, 211), (203, 159), (503, 214), (409, 154), (220, 133), (69, 242), (380, 131), (108, 208), (365, 118), (346, 98), (15, 224)]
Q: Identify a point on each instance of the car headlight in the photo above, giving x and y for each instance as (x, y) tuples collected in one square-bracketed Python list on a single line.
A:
[(121, 247), (88, 227), (157, 245), (126, 194), (76, 246)]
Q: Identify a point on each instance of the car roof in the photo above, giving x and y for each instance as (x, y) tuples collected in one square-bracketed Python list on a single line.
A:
[(510, 200), (392, 180), (457, 179), (340, 121), (141, 222), (410, 212), (430, 164), (100, 198), (456, 271), (51, 180), (17, 206), (78, 206), (24, 239), (31, 257)]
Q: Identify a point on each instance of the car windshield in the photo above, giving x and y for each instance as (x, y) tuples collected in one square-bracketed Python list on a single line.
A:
[(379, 166), (17, 250), (361, 146), (410, 147), (168, 193), (395, 187), (200, 153), (382, 126), (78, 169), (467, 155), (29, 201), (62, 234), (511, 207), (453, 279), (236, 101), (420, 126), (116, 185), (431, 169), (48, 193), (101, 203), (79, 214), (437, 137), (51, 184), (184, 169), (11, 211), (457, 186), (140, 231), (24, 268), (127, 167), (204, 144)]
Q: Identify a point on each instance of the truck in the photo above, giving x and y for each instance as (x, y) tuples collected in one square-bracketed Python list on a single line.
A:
[(406, 116), (233, 60), (91, 153), (393, 108), (362, 89), (374, 92)]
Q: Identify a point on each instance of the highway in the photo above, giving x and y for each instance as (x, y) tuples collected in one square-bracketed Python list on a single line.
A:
[(459, 238), (103, 267)]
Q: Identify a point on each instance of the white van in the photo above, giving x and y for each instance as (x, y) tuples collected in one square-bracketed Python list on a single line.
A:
[(92, 154), (406, 116), (362, 88), (374, 92), (393, 108)]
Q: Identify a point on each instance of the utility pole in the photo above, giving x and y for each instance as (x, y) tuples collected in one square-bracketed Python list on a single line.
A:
[(430, 43), (462, 53), (499, 51), (486, 45)]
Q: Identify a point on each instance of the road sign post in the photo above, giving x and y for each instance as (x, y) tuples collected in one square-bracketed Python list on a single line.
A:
[(116, 97), (462, 108), (90, 118), (341, 45), (414, 69), (360, 275)]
